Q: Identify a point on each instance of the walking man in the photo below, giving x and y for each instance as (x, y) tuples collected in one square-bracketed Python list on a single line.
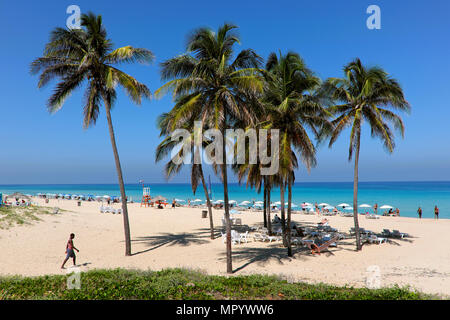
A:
[(70, 251)]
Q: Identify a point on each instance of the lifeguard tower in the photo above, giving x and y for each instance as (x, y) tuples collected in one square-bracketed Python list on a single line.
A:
[(146, 198)]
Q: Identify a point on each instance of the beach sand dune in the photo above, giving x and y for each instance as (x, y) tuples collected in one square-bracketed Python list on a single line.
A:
[(179, 237)]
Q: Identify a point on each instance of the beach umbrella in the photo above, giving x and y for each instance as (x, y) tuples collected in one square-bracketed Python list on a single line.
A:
[(307, 204), (365, 206), (106, 196), (329, 207), (277, 203), (348, 208), (259, 202), (343, 205), (232, 201), (180, 200), (386, 207), (244, 203), (159, 198), (323, 204)]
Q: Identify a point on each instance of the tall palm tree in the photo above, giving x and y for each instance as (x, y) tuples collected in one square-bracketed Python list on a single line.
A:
[(208, 76), (86, 55), (167, 126), (365, 94), (294, 105)]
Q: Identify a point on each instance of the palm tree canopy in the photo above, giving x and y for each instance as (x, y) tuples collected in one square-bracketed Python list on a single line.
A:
[(208, 83), (75, 56), (366, 94), (294, 105)]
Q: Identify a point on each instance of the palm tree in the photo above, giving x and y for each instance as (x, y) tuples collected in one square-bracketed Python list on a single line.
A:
[(166, 126), (207, 76), (86, 55), (365, 94), (294, 105)]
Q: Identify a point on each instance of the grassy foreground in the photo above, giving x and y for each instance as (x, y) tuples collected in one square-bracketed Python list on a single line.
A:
[(185, 284)]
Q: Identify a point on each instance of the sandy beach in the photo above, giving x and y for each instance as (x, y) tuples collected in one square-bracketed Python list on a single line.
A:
[(179, 237)]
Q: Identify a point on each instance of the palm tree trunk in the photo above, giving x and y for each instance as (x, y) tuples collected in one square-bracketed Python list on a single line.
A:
[(225, 197), (288, 226), (269, 221), (265, 203), (283, 215), (126, 224), (355, 194), (208, 202)]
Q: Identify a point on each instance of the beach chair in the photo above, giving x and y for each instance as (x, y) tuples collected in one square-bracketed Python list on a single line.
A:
[(258, 237), (243, 236), (398, 234), (386, 233), (316, 249), (235, 237), (224, 237), (374, 239)]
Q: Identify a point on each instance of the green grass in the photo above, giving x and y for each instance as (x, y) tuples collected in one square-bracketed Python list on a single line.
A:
[(12, 216), (186, 284)]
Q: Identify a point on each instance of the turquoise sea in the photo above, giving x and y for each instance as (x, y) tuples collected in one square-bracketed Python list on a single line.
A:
[(407, 196)]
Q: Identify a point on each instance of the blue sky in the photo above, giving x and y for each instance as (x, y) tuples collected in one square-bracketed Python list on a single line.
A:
[(413, 46)]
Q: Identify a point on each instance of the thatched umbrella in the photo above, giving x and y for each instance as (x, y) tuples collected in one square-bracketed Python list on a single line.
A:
[(18, 195), (159, 198)]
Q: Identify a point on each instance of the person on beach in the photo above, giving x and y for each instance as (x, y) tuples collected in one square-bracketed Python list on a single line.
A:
[(419, 212), (375, 208), (436, 212), (70, 251), (173, 203), (397, 212)]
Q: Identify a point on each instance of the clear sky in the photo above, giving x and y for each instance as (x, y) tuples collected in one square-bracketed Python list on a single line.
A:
[(413, 45)]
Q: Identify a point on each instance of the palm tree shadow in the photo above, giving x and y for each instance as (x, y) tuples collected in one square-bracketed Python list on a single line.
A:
[(173, 239), (261, 256)]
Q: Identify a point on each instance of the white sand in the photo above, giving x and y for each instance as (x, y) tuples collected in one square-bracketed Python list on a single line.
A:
[(180, 238)]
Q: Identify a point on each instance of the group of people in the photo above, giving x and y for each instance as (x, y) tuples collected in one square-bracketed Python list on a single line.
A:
[(436, 212)]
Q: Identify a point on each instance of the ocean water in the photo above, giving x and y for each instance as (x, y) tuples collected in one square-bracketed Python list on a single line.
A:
[(407, 196)]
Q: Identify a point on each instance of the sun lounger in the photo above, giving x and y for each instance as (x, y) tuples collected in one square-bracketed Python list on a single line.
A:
[(372, 216), (398, 234), (386, 233), (258, 237), (316, 249), (375, 239)]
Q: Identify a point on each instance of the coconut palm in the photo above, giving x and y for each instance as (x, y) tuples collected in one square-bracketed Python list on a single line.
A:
[(208, 76), (368, 94), (294, 105), (167, 127), (86, 56)]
